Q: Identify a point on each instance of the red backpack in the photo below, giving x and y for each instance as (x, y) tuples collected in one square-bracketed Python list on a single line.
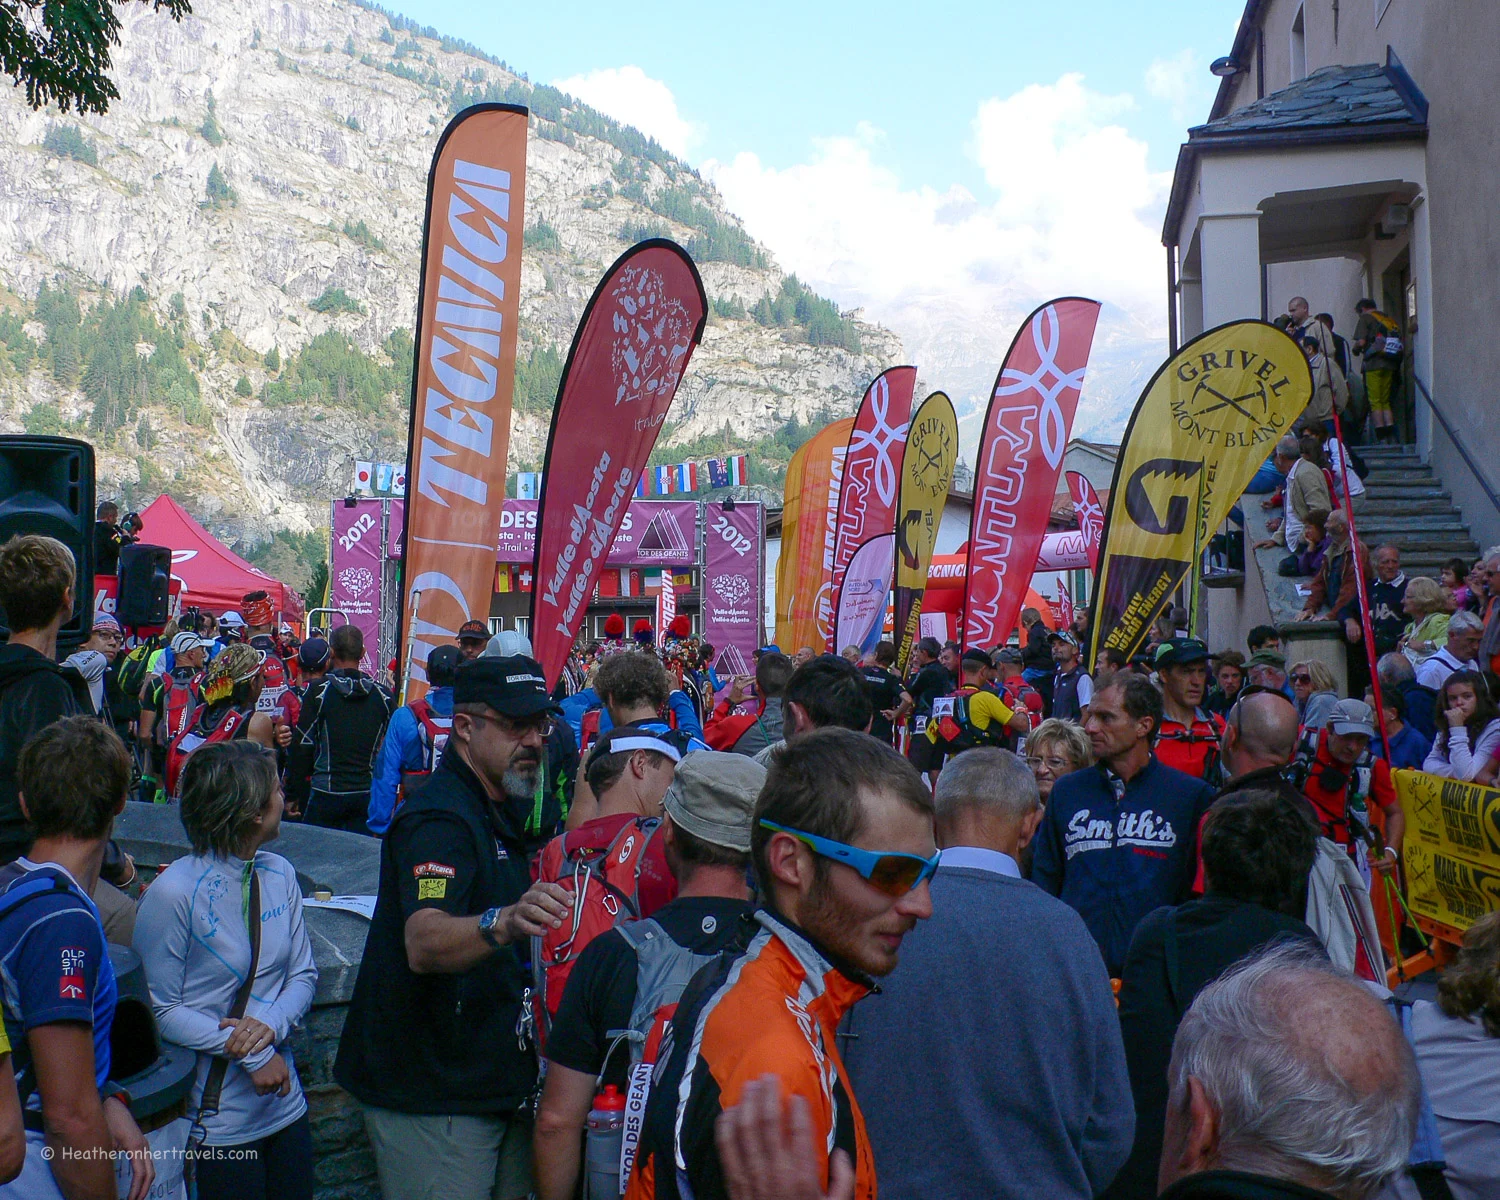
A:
[(605, 885), (180, 703), (432, 732), (183, 745)]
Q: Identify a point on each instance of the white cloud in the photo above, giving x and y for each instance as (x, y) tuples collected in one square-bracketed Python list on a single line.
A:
[(629, 95), (1072, 208), (1184, 84)]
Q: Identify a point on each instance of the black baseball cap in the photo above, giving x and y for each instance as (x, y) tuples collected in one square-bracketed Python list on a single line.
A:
[(977, 657), (312, 654), (442, 663), (1179, 652), (476, 630), (513, 687)]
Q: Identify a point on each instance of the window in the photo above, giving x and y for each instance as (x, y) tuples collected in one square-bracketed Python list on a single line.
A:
[(523, 626), (1299, 45)]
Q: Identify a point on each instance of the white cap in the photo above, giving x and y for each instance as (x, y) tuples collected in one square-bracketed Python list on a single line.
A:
[(507, 644), (186, 642), (232, 619)]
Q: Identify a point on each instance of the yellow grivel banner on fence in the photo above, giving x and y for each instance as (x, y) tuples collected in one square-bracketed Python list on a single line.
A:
[(1452, 847)]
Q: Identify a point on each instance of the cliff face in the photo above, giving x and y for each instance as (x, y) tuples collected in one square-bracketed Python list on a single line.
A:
[(268, 159)]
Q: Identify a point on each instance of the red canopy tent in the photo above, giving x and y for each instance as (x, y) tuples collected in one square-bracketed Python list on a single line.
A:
[(213, 576)]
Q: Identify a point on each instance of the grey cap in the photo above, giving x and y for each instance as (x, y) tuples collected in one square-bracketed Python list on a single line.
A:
[(1009, 654), (712, 796), (1352, 716)]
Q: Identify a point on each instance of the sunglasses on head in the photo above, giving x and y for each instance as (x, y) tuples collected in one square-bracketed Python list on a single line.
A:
[(892, 873)]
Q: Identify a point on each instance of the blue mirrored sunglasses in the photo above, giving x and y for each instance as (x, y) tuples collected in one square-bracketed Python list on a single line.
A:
[(893, 873)]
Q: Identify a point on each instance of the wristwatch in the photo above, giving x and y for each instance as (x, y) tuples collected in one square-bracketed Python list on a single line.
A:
[(488, 919)]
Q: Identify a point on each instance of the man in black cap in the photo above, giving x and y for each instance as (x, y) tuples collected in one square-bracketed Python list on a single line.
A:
[(973, 715), (430, 1046), (1072, 686), (473, 637), (1189, 736)]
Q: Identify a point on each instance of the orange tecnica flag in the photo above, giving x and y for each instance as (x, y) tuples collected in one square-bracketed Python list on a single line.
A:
[(804, 573), (464, 378)]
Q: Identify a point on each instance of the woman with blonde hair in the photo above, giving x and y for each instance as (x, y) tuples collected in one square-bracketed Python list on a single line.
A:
[(1429, 608), (1054, 749), (1314, 692)]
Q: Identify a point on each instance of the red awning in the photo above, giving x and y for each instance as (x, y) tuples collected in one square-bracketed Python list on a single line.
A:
[(214, 577)]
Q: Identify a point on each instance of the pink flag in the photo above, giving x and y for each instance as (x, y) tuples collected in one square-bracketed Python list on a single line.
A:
[(1020, 453), (1090, 514), (872, 472)]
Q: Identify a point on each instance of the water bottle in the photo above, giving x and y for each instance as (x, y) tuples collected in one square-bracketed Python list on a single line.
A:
[(606, 1133)]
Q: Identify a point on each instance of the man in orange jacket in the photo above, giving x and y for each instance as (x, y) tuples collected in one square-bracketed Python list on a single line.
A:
[(843, 848)]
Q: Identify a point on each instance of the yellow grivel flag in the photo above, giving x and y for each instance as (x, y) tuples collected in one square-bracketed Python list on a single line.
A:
[(1205, 423), (804, 573), (926, 475)]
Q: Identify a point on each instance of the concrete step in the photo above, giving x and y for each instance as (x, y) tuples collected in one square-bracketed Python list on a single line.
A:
[(1423, 546), (1399, 475), (1397, 506), (1449, 526), (1403, 485)]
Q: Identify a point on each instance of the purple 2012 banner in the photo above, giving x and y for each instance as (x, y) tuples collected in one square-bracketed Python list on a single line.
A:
[(354, 580), (733, 585)]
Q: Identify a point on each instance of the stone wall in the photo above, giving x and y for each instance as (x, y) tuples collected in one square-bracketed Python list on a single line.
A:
[(345, 864)]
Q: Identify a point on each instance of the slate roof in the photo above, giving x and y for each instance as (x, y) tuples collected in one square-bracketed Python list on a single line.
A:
[(1370, 102), (1329, 98)]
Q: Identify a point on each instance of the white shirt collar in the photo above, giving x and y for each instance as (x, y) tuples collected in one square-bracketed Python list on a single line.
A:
[(28, 865), (980, 859)]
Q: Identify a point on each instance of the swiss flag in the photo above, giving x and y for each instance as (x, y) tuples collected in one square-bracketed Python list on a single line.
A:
[(525, 579)]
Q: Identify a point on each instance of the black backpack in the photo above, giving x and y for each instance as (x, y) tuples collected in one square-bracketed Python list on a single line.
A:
[(956, 729)]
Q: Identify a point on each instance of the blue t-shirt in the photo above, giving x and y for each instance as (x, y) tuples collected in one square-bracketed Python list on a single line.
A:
[(1408, 749), (54, 965)]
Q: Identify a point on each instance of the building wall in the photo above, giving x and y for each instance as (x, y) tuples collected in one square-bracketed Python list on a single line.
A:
[(1451, 49)]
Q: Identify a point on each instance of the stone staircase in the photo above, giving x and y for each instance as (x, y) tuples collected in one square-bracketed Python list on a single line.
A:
[(1408, 507)]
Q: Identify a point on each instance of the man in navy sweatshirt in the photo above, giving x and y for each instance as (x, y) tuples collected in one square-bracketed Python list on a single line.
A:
[(1119, 839)]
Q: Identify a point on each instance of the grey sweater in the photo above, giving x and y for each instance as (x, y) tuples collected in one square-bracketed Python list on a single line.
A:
[(990, 1063)]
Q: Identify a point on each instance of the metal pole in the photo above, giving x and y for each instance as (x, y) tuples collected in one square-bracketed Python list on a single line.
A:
[(416, 599)]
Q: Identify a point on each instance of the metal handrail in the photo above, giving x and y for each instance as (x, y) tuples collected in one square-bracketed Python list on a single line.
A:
[(1458, 445)]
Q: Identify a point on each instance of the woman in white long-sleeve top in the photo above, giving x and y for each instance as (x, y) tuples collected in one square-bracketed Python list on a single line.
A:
[(1468, 728), (192, 934)]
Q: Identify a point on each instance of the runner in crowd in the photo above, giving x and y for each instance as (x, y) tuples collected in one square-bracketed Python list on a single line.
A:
[(472, 638), (1119, 838), (625, 985), (1012, 685), (230, 688), (842, 848), (826, 693), (331, 764), (1072, 686), (973, 715), (414, 740), (1229, 678), (750, 733), (930, 679), (884, 688), (1189, 736)]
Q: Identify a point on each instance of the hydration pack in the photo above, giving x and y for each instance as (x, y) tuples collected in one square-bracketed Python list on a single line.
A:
[(956, 729), (182, 746), (604, 882), (180, 703), (432, 733)]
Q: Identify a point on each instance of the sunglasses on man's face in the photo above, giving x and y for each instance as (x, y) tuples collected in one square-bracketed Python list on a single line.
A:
[(893, 873)]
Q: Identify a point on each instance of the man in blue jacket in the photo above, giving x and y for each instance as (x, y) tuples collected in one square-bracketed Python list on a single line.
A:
[(1119, 839), (415, 738)]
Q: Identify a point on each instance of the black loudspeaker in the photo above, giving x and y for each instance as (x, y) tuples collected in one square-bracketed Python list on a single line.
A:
[(47, 487), (144, 573)]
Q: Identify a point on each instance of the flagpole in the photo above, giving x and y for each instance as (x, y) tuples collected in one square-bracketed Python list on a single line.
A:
[(1360, 587)]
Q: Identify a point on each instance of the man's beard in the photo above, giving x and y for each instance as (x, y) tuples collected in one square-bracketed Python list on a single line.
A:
[(519, 780)]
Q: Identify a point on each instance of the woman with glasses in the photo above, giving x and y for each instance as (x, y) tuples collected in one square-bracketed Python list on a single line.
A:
[(1055, 748), (227, 911), (1314, 691), (1468, 730)]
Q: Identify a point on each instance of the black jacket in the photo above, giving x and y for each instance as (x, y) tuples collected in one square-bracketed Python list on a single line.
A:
[(441, 1043), (1037, 656), (338, 735), (34, 692), (1175, 953), (1239, 1185)]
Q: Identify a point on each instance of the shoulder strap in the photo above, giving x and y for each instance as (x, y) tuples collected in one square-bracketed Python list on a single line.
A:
[(213, 1085), (1174, 973)]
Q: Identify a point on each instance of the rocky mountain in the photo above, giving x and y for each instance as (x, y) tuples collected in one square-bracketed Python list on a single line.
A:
[(216, 281)]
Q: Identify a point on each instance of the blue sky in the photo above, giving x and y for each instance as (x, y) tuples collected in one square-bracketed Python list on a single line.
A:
[(943, 166)]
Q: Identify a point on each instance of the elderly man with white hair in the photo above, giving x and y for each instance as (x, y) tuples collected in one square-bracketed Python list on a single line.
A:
[(1000, 1024), (1288, 1080), (1464, 631)]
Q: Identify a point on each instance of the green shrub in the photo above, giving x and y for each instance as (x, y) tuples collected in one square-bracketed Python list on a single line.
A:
[(67, 141), (273, 359), (44, 419), (242, 386), (360, 232), (210, 130), (220, 193), (335, 300), (542, 236)]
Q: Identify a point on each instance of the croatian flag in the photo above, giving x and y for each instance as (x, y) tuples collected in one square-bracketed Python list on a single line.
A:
[(739, 470), (687, 477), (718, 473), (663, 481)]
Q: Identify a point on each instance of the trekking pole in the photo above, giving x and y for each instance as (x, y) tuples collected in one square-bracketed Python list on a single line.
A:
[(416, 599)]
